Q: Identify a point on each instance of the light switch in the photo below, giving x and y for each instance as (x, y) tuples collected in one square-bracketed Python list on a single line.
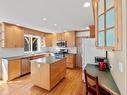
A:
[(120, 67)]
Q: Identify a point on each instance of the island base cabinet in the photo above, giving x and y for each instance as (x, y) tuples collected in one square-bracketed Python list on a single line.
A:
[(57, 71), (47, 75)]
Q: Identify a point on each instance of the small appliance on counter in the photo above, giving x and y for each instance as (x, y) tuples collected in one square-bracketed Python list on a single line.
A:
[(103, 63)]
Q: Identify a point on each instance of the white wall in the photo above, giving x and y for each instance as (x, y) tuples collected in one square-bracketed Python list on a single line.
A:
[(90, 51), (119, 57)]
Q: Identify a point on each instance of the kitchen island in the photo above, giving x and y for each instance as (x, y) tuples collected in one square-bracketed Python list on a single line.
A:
[(47, 72)]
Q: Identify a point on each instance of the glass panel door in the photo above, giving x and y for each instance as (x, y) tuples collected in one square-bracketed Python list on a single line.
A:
[(110, 18), (101, 22), (109, 4), (110, 38), (101, 37), (100, 7)]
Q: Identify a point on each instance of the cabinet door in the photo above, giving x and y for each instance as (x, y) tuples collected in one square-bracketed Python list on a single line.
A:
[(14, 36), (25, 66), (110, 28), (19, 39), (110, 38), (70, 38), (9, 37), (14, 70), (70, 60), (59, 36), (100, 7), (101, 39), (63, 36), (35, 73), (49, 40), (107, 23)]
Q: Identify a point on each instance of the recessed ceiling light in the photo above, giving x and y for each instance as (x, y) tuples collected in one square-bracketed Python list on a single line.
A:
[(44, 19), (55, 24), (86, 4), (87, 28), (18, 24)]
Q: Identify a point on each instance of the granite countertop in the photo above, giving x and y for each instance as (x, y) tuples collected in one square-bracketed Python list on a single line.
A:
[(22, 56), (104, 77), (26, 55), (47, 60)]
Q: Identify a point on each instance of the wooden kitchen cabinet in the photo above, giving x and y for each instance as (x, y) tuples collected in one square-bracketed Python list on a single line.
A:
[(25, 66), (49, 39), (70, 37), (70, 60), (108, 25), (47, 75), (59, 36), (92, 31), (13, 69), (11, 36)]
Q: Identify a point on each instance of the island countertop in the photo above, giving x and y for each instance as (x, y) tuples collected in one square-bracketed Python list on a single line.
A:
[(47, 60)]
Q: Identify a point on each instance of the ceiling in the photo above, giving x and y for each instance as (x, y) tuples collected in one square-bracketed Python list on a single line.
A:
[(67, 14)]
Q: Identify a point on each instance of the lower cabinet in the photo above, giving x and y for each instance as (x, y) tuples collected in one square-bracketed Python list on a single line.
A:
[(70, 60), (25, 66), (14, 69)]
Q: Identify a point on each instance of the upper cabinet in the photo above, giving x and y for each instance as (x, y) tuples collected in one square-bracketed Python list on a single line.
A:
[(11, 36), (49, 39), (70, 37), (108, 24)]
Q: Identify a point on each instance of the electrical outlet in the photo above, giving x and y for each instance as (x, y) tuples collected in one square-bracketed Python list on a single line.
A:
[(111, 67), (120, 67)]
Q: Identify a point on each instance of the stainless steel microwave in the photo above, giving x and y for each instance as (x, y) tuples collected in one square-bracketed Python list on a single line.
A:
[(61, 43)]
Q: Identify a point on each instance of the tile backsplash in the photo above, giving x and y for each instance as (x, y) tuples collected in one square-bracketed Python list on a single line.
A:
[(9, 52)]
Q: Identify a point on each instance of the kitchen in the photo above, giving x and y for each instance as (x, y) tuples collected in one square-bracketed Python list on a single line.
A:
[(38, 61)]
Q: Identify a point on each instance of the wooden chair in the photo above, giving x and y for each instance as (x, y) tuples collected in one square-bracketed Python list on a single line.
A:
[(93, 89)]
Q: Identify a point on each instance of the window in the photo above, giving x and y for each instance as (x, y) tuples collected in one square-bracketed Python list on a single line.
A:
[(32, 43)]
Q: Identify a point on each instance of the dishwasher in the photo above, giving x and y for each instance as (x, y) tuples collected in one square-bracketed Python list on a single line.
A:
[(25, 66)]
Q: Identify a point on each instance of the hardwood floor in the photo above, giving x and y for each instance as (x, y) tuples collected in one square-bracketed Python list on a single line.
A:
[(71, 85)]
